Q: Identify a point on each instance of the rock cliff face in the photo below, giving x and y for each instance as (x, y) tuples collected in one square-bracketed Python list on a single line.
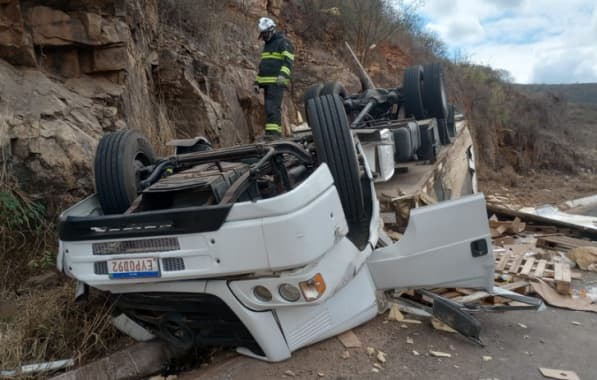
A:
[(71, 71)]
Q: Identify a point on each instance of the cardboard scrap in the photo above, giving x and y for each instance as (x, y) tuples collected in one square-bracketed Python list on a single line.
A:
[(551, 297), (559, 374), (349, 340)]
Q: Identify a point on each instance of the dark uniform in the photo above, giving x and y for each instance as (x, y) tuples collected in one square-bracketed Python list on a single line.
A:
[(276, 60)]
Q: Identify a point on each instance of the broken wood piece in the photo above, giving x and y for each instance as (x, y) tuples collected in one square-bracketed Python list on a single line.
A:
[(559, 374), (540, 269), (528, 265), (349, 340), (439, 354), (501, 265), (562, 277), (395, 314), (516, 264), (439, 325)]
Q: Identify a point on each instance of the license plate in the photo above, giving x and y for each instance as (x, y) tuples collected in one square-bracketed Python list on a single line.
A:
[(133, 268)]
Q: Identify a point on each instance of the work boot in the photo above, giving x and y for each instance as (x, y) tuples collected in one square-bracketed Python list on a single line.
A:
[(268, 136), (272, 136)]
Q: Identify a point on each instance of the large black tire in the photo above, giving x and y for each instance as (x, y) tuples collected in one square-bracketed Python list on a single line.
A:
[(444, 135), (404, 147), (413, 94), (334, 88), (451, 121), (312, 92), (335, 147), (435, 99), (118, 157)]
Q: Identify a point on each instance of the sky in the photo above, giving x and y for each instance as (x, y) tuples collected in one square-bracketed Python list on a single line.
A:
[(536, 41)]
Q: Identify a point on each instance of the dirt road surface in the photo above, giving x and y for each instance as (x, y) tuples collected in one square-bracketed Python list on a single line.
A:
[(554, 338)]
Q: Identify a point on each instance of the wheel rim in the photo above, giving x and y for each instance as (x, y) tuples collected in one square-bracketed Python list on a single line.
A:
[(140, 162)]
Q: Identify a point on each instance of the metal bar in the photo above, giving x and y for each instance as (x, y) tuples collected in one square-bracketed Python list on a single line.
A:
[(366, 82), (363, 113)]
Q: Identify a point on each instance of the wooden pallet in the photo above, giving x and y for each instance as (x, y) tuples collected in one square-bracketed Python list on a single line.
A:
[(563, 242), (532, 268)]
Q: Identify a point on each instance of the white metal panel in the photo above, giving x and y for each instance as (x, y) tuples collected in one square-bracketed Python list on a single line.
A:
[(353, 305), (303, 236), (317, 183), (436, 249)]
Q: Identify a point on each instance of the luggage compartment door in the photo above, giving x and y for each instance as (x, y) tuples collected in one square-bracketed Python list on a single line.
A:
[(444, 245)]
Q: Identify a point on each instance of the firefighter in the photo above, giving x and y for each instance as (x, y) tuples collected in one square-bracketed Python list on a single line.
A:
[(275, 68)]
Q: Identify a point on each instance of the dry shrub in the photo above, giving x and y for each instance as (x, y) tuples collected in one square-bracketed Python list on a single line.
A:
[(50, 325), (201, 20), (45, 323)]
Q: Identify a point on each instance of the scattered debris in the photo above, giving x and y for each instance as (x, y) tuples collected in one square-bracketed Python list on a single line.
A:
[(375, 370), (403, 326), (522, 325), (377, 365), (381, 357), (554, 299), (320, 374), (584, 257), (395, 314), (349, 340), (575, 323), (439, 354), (409, 340), (370, 351), (412, 321), (559, 374), (345, 355), (289, 373), (439, 325), (487, 358)]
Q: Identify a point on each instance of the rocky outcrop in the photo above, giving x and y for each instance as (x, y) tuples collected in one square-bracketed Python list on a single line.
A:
[(92, 75), (73, 71), (15, 43)]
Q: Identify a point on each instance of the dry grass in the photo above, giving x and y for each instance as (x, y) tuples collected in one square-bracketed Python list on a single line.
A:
[(50, 325), (41, 321)]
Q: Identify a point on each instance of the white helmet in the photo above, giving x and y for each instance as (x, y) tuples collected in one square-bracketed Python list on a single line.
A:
[(266, 24)]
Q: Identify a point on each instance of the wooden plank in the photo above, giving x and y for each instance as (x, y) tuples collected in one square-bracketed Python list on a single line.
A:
[(501, 265), (540, 269), (563, 242), (516, 264), (501, 211), (452, 294), (542, 229), (481, 294), (562, 277), (558, 275), (526, 269)]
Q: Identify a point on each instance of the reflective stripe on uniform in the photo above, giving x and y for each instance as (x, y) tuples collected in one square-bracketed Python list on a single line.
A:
[(285, 70), (278, 56), (288, 55), (273, 127), (266, 80)]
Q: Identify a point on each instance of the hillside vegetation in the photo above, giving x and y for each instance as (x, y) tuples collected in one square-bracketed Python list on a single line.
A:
[(578, 93)]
